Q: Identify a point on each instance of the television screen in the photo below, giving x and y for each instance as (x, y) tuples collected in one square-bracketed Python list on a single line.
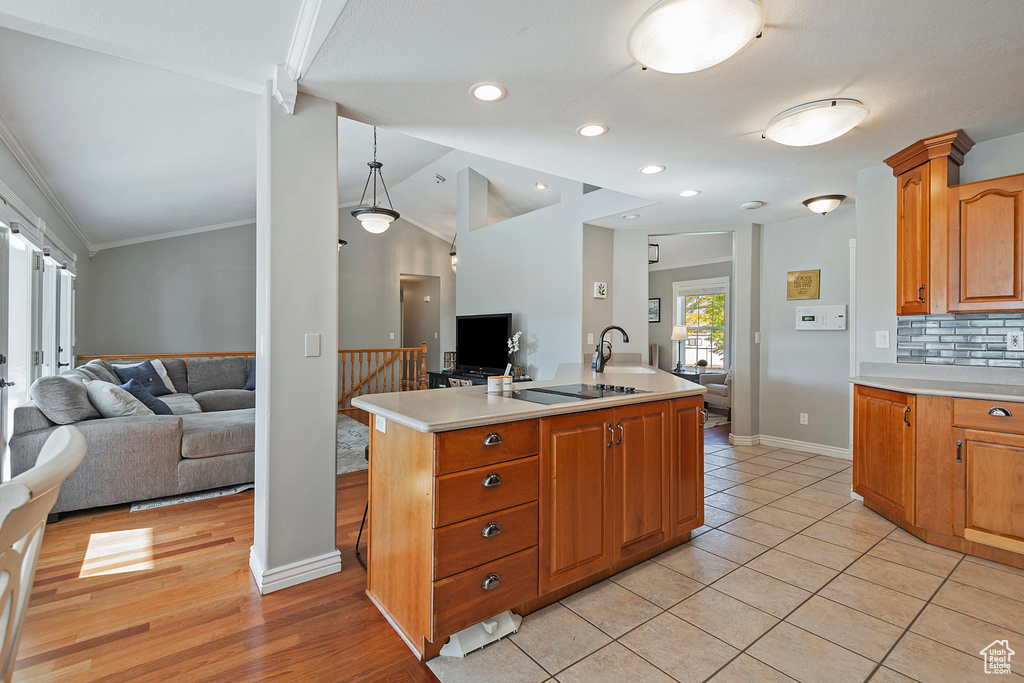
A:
[(481, 342)]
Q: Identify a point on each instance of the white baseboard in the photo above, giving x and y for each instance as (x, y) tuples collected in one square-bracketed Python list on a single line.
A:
[(791, 444), (270, 580)]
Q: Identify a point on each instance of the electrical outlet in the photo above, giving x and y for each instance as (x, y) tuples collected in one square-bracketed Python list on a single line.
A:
[(803, 418), (1015, 340), (882, 339)]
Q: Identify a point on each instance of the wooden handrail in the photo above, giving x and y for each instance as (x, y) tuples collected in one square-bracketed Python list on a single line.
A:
[(381, 370), (80, 359)]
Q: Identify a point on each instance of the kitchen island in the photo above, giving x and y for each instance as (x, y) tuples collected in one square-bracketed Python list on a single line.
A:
[(482, 503)]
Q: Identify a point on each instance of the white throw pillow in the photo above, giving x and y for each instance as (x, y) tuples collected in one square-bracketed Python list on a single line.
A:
[(113, 401)]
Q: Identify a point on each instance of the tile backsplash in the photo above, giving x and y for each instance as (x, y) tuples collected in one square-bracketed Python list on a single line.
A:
[(959, 339)]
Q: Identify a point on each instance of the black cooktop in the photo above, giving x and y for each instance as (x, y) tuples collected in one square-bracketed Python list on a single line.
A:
[(569, 393)]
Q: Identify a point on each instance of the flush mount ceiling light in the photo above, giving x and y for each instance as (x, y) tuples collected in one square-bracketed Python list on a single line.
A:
[(683, 36), (375, 218), (631, 216), (689, 193), (824, 203), (751, 206), (488, 92), (592, 130), (816, 122), (652, 169), (541, 186)]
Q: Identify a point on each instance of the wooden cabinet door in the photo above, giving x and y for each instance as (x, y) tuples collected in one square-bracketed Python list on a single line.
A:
[(913, 220), (988, 489), (883, 449), (643, 471), (986, 245), (576, 497), (687, 456)]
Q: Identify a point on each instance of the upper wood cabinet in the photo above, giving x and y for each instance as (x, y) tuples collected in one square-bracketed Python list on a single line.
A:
[(986, 248), (883, 449), (912, 242)]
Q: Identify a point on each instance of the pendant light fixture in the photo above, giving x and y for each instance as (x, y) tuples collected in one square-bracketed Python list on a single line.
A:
[(375, 218), (825, 203), (455, 259)]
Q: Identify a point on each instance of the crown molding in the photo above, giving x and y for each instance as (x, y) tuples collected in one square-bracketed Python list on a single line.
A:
[(169, 235), (315, 23), (9, 138)]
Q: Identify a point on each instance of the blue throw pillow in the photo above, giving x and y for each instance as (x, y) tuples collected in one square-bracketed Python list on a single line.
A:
[(147, 376), (250, 382), (138, 390)]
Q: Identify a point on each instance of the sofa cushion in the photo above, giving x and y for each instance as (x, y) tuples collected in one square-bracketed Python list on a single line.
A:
[(63, 399), (136, 389), (226, 399), (250, 382), (177, 370), (182, 404), (207, 374), (205, 435), (113, 401), (98, 369), (28, 418), (146, 375), (717, 389)]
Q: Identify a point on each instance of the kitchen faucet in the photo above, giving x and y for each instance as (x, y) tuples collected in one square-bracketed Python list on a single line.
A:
[(601, 360)]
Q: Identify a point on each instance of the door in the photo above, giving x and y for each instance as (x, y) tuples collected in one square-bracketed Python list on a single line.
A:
[(883, 449), (986, 249), (576, 494), (912, 242), (687, 455), (644, 472), (988, 498), (5, 240)]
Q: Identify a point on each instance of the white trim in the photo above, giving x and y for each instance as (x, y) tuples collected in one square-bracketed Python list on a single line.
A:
[(285, 88), (301, 38), (791, 444), (713, 284), (687, 264), (735, 440), (270, 580), (169, 235)]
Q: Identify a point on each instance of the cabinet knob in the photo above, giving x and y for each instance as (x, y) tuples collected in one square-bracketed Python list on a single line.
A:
[(492, 479), (491, 582), (999, 412), (492, 529), (492, 439)]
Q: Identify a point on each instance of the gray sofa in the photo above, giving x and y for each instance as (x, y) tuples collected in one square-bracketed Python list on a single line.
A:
[(209, 442)]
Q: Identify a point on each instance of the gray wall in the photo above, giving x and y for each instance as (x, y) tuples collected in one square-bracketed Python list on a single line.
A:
[(598, 256), (421, 320), (660, 286), (805, 372), (178, 295)]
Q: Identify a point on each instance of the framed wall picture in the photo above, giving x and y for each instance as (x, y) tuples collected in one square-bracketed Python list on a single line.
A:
[(654, 310), (653, 253), (600, 290), (803, 284)]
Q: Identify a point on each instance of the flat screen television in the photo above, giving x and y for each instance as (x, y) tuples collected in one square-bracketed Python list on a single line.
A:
[(481, 342)]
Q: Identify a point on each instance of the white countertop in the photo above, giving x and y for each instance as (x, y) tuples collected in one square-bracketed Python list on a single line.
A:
[(935, 387), (441, 410)]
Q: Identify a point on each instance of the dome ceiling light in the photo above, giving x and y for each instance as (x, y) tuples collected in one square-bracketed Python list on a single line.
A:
[(489, 92), (816, 122), (683, 36), (375, 218), (824, 203)]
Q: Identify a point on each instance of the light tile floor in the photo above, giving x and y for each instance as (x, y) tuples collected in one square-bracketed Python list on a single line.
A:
[(790, 579)]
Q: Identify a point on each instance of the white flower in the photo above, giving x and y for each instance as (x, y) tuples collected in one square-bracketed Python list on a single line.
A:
[(513, 342)]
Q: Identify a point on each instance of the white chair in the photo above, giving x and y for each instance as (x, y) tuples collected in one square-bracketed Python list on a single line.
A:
[(25, 501), (719, 388)]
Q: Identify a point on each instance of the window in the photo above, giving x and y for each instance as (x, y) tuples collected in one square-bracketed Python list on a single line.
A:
[(703, 307)]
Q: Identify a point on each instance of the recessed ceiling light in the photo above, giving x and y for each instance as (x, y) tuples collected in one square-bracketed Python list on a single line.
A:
[(592, 130), (815, 122), (652, 169), (689, 193), (488, 92), (683, 36), (541, 186), (824, 203), (631, 216)]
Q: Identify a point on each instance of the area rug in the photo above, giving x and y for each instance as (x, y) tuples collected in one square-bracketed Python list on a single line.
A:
[(189, 497), (715, 420)]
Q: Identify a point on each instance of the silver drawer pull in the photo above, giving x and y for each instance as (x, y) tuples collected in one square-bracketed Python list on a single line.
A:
[(492, 529), (999, 412), (492, 479), (492, 581), (492, 439)]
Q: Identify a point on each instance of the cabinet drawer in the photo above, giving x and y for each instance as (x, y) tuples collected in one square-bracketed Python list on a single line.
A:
[(462, 600), (458, 547), (479, 446), (485, 489), (969, 412)]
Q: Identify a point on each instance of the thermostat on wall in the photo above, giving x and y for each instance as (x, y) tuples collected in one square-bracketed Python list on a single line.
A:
[(821, 317)]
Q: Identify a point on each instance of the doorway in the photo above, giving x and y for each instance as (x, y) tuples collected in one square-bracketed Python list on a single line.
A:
[(421, 315)]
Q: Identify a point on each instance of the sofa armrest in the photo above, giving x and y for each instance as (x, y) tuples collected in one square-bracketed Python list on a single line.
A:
[(126, 459), (712, 378)]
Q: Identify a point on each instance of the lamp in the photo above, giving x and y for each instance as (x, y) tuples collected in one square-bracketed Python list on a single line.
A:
[(815, 122), (683, 36), (375, 218), (824, 203), (455, 259), (679, 336)]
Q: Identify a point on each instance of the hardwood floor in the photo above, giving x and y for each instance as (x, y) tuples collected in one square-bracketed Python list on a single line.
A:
[(166, 594), (717, 435)]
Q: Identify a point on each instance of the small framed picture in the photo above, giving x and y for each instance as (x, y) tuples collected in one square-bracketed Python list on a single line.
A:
[(654, 310), (653, 253), (600, 290)]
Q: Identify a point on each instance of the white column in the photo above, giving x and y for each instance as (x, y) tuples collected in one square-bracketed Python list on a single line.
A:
[(297, 296)]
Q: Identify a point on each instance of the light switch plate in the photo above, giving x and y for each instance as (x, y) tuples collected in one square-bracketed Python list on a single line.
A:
[(312, 345), (1015, 340), (392, 335), (882, 339), (590, 338)]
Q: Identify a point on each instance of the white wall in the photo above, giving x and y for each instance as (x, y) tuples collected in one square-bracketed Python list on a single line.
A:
[(805, 372), (598, 266), (421, 319)]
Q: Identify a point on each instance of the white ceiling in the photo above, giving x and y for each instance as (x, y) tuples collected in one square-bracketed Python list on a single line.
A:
[(676, 251)]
